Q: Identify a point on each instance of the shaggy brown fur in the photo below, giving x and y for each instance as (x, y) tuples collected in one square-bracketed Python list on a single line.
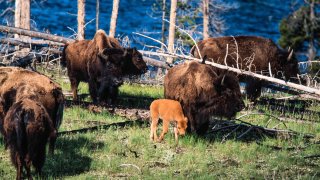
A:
[(101, 62), (202, 92), (27, 128), (18, 83), (167, 110), (255, 54)]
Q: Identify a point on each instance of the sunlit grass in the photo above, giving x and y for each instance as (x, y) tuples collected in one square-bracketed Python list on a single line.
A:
[(127, 153)]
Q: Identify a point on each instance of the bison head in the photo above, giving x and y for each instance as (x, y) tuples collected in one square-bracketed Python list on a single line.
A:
[(203, 92), (134, 63), (290, 66), (228, 94), (129, 60)]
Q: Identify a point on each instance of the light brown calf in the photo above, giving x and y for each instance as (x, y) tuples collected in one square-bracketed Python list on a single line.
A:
[(167, 110)]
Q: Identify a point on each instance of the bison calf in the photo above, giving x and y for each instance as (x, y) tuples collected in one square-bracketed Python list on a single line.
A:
[(167, 110), (27, 128)]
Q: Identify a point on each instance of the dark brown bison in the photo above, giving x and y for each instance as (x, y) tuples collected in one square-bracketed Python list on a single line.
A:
[(17, 84), (27, 128), (203, 91), (101, 62), (256, 54)]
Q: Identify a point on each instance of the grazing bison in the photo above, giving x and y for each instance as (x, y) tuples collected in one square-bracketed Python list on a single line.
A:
[(27, 128), (101, 62), (255, 54), (18, 83), (202, 92)]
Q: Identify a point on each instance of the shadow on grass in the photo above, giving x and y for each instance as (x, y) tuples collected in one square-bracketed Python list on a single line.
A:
[(70, 157), (123, 101)]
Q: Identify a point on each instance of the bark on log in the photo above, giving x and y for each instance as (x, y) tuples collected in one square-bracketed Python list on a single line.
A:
[(36, 34)]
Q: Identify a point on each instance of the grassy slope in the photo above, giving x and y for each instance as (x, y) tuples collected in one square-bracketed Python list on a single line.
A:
[(128, 153)]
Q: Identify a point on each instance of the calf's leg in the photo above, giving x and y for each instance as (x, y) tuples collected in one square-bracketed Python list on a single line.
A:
[(153, 131), (165, 129)]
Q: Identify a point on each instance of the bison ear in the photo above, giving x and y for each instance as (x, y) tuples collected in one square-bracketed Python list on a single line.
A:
[(204, 59)]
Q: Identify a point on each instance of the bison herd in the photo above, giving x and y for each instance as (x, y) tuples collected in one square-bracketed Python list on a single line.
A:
[(31, 104)]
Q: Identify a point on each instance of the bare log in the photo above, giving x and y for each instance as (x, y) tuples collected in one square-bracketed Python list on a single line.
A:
[(36, 34), (157, 63), (27, 43), (311, 91)]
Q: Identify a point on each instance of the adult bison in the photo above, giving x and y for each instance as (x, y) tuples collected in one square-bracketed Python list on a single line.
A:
[(101, 62), (27, 128), (17, 84), (250, 53), (202, 92)]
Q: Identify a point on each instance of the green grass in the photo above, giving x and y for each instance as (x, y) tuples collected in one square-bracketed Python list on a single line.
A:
[(121, 153)]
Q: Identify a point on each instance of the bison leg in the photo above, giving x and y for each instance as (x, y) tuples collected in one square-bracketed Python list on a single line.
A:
[(19, 166), (191, 121), (253, 89), (114, 91), (74, 88), (93, 87), (153, 131), (52, 142), (202, 129), (165, 129), (27, 166), (39, 159)]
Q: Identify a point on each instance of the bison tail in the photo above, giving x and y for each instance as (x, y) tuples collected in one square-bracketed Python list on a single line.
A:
[(63, 61), (59, 115), (21, 118)]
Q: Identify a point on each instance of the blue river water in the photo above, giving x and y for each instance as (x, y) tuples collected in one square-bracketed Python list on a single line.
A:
[(250, 17)]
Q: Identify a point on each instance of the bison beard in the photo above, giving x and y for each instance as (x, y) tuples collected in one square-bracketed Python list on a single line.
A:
[(27, 127), (255, 54), (101, 62), (203, 93)]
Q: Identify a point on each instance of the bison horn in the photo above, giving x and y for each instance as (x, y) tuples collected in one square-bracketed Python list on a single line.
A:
[(204, 59), (290, 55), (222, 81)]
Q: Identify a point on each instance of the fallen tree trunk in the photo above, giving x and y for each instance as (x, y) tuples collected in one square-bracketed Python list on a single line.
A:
[(312, 91), (14, 41), (154, 62), (36, 34)]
